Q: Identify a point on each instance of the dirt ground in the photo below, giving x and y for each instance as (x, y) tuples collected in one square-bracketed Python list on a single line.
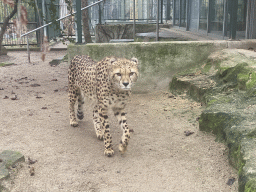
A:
[(160, 157)]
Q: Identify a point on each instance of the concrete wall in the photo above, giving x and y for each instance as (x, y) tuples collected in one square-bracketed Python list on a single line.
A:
[(158, 60)]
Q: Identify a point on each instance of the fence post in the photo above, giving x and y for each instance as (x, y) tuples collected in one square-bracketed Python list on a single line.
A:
[(162, 7), (43, 9), (28, 50), (209, 17), (225, 20), (187, 15), (157, 21), (78, 21), (174, 11), (134, 20), (233, 18), (180, 10), (168, 10), (99, 14)]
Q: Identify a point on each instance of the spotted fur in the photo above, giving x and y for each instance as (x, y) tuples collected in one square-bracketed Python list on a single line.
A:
[(108, 83)]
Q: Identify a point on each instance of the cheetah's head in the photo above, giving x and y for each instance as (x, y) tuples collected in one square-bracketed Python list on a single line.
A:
[(124, 73)]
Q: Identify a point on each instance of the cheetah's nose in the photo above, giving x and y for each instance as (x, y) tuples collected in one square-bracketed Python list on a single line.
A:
[(125, 84)]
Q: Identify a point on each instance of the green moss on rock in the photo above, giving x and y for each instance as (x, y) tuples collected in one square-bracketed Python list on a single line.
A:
[(214, 123), (6, 64), (250, 186), (251, 80), (230, 74)]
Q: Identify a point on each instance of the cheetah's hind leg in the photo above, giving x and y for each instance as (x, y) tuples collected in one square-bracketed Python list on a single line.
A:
[(97, 124), (80, 113), (72, 94)]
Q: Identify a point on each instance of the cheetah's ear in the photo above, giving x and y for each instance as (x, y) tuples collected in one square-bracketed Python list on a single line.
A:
[(134, 60), (112, 60)]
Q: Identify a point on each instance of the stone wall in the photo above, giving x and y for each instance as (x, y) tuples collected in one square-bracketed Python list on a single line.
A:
[(158, 60)]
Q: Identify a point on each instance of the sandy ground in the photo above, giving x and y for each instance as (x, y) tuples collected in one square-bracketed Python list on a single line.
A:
[(34, 121)]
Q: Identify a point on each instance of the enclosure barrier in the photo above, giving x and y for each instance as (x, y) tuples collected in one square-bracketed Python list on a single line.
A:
[(26, 34), (61, 18)]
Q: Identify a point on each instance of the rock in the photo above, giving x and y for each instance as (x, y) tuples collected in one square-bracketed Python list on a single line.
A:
[(6, 64), (9, 158), (35, 85), (3, 51), (55, 62)]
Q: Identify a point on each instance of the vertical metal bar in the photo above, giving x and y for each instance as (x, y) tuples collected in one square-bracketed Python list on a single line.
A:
[(157, 21), (253, 20), (43, 9), (234, 19), (225, 17), (124, 10), (162, 5), (180, 9), (99, 14), (187, 15), (147, 11), (174, 11), (248, 19), (209, 17), (168, 10), (28, 50), (134, 20), (78, 21), (198, 16)]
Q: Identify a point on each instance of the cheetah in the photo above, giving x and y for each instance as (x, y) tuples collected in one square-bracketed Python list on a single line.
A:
[(107, 84)]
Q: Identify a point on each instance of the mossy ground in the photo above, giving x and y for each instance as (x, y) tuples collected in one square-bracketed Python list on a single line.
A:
[(6, 64), (250, 186)]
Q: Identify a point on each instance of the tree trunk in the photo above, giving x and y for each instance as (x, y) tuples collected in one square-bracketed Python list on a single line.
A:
[(85, 18), (5, 24)]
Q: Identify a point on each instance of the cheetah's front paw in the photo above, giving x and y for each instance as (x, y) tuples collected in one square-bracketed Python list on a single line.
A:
[(122, 148), (80, 115), (99, 135), (73, 123), (109, 152)]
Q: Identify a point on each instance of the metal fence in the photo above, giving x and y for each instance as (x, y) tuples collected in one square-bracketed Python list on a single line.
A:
[(112, 11), (11, 38), (117, 11), (11, 34), (144, 10)]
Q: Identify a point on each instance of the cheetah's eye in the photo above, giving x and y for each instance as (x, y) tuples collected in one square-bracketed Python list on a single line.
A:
[(132, 73), (118, 74)]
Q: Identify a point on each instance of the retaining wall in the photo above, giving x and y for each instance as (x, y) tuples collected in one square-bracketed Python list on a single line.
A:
[(158, 60)]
